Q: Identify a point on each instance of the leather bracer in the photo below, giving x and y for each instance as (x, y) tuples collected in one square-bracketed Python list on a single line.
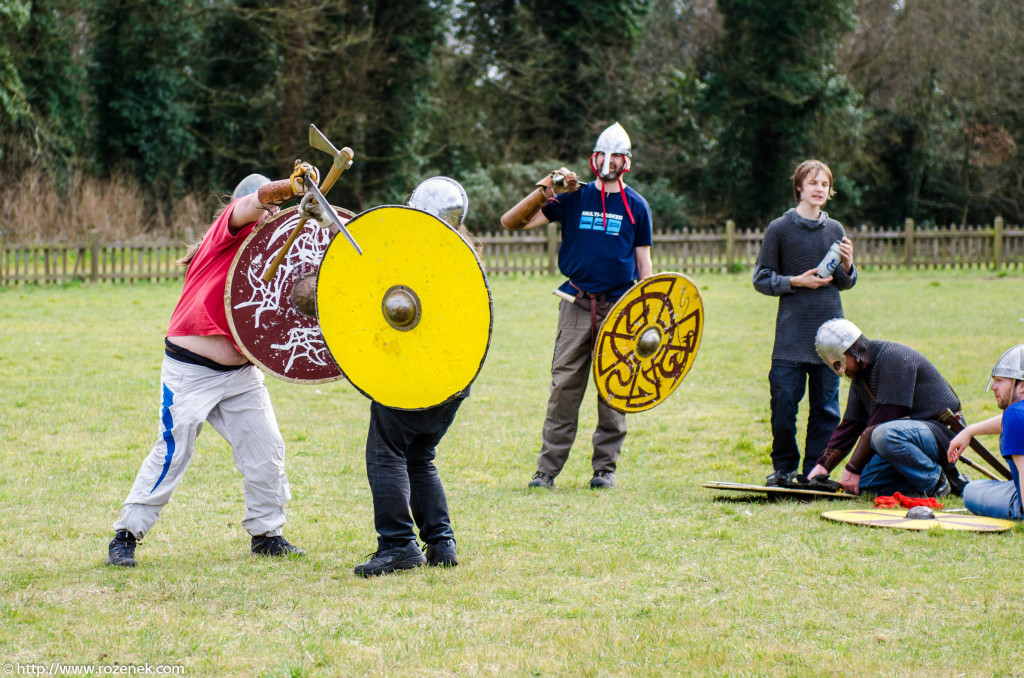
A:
[(276, 193), (519, 216)]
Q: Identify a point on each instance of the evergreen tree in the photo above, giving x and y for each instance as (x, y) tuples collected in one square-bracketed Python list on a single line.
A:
[(590, 44), (238, 72), (41, 84), (771, 90), (406, 33), (141, 95)]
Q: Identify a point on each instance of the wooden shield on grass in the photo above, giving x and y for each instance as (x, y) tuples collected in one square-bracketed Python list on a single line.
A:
[(777, 491)]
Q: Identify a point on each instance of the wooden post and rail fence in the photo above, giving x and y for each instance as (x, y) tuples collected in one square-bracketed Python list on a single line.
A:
[(721, 249)]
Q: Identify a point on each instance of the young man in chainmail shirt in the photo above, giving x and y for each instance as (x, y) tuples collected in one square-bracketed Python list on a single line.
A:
[(895, 401), (787, 268)]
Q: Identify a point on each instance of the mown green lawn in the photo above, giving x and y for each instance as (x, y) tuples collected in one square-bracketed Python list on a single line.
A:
[(659, 577)]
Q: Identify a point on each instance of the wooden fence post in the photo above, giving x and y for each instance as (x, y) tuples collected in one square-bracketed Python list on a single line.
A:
[(94, 255), (908, 240), (552, 235), (730, 245), (997, 243), (3, 261)]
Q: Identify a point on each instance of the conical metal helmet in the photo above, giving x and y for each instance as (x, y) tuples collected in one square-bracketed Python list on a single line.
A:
[(250, 184), (1010, 365), (613, 140), (833, 338), (443, 197)]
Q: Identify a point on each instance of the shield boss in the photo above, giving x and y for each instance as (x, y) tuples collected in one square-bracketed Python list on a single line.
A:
[(409, 321), (648, 342)]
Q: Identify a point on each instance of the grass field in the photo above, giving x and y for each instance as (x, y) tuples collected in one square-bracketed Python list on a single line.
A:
[(659, 577)]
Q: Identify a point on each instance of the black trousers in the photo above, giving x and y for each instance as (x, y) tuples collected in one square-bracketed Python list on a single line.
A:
[(407, 490)]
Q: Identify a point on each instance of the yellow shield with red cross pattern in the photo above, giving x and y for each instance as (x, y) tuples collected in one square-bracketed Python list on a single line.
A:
[(648, 342), (409, 321)]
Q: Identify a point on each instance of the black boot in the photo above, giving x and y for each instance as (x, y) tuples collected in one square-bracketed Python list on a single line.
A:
[(957, 480), (779, 478)]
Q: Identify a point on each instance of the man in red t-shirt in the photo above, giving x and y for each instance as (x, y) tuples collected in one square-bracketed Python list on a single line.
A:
[(205, 378)]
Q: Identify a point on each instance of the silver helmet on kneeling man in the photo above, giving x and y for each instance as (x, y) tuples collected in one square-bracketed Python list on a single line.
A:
[(833, 339)]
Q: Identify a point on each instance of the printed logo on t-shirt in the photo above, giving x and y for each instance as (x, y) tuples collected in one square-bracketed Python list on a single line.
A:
[(593, 221)]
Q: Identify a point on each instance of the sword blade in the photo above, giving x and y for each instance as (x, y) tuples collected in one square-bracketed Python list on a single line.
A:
[(340, 227)]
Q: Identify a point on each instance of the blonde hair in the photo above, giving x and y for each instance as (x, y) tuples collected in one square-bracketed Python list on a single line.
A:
[(806, 168)]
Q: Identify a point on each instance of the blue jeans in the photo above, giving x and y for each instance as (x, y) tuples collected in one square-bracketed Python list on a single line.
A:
[(906, 459), (400, 450), (788, 382), (993, 499)]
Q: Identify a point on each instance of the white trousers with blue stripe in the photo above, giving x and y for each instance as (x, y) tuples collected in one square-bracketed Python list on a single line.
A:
[(237, 405)]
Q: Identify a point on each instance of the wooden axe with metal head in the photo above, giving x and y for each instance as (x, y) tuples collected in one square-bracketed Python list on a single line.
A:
[(342, 158), (342, 161)]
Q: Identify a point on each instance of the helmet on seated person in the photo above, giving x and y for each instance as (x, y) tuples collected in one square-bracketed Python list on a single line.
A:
[(1010, 365)]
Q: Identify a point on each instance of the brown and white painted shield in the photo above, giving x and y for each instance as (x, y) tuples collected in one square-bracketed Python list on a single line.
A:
[(275, 323)]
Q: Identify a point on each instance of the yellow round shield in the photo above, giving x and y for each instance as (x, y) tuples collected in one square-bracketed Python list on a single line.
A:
[(897, 518), (648, 342), (409, 320)]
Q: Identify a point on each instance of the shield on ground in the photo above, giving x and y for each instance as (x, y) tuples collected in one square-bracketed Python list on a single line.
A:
[(897, 518), (774, 491), (275, 323), (648, 342), (409, 321)]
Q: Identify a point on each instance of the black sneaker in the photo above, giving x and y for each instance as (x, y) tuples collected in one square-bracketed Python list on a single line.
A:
[(442, 554), (388, 560), (274, 546), (957, 480), (542, 480), (121, 551), (780, 478), (602, 480)]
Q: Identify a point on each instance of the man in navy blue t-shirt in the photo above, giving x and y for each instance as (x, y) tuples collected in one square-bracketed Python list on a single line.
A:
[(606, 247), (999, 498)]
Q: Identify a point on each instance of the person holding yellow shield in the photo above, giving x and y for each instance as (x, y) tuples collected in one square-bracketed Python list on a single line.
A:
[(606, 247)]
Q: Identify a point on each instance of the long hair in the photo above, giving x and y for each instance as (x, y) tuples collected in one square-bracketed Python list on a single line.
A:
[(193, 247)]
